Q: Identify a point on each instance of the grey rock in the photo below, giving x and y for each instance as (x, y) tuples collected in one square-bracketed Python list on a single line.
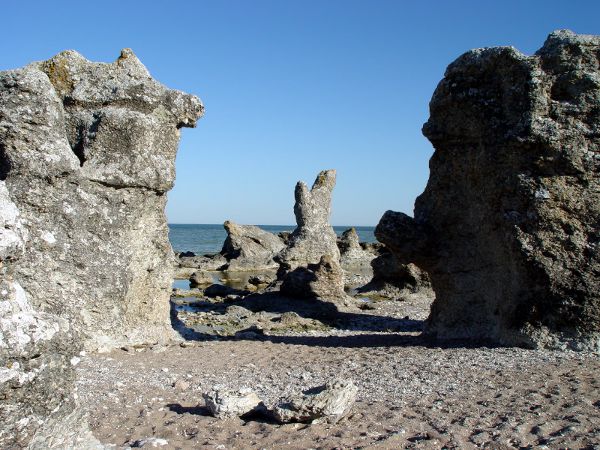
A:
[(203, 262), (220, 290), (87, 155), (262, 279), (313, 237), (247, 247), (324, 281), (225, 404), (394, 279), (36, 350), (328, 403), (200, 278), (507, 227), (352, 254)]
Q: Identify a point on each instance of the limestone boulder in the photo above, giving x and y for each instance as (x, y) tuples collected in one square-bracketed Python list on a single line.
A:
[(352, 255), (224, 403), (324, 281), (248, 247), (327, 403), (396, 280)]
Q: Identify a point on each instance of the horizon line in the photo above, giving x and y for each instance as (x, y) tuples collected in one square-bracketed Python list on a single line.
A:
[(269, 224)]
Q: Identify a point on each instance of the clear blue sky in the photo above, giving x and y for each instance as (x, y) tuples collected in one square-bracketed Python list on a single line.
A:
[(292, 87)]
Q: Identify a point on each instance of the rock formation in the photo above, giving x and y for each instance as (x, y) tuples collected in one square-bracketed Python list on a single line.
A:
[(328, 403), (352, 254), (87, 155), (200, 278), (88, 152), (324, 280), (248, 247), (393, 279), (314, 236), (187, 264), (310, 264), (225, 404), (508, 225)]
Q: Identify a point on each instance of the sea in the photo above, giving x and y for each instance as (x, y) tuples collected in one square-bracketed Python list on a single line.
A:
[(208, 238)]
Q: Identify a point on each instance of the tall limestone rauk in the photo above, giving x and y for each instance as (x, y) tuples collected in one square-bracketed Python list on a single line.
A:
[(508, 227), (87, 154)]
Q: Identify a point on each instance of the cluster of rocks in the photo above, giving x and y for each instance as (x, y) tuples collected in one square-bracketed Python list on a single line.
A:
[(508, 225), (329, 403), (506, 229), (87, 155), (312, 261)]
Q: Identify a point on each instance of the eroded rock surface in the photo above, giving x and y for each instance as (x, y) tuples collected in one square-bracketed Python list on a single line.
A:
[(88, 153), (225, 404), (328, 403), (352, 254), (396, 280), (37, 352), (324, 280), (508, 225), (248, 247), (314, 236)]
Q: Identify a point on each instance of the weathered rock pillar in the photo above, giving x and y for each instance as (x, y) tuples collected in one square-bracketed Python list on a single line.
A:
[(87, 153), (508, 227)]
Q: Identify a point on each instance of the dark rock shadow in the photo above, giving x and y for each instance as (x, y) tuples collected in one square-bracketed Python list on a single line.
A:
[(195, 410)]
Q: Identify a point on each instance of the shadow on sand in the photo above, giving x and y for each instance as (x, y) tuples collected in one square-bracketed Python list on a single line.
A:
[(327, 313)]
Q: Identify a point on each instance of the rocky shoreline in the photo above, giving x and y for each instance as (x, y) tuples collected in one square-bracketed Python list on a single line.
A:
[(474, 323)]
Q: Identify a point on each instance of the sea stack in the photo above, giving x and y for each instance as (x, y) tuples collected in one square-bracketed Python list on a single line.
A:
[(310, 264), (314, 236), (507, 227)]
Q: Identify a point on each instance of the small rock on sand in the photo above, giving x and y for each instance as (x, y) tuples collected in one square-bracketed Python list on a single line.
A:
[(327, 403), (223, 403)]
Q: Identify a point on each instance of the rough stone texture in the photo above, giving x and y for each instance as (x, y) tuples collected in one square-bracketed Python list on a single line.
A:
[(508, 225), (87, 151), (324, 281), (393, 279), (200, 278), (327, 403), (36, 355), (224, 404), (247, 247), (203, 262), (86, 156), (313, 237), (352, 254)]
